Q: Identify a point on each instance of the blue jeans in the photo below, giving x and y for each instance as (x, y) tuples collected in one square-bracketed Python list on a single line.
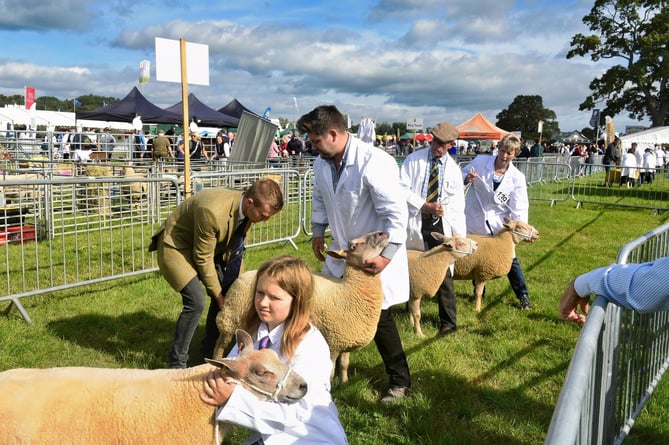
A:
[(193, 299), (517, 279)]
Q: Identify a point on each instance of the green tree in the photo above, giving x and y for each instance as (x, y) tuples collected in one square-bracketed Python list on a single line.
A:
[(637, 33), (524, 114)]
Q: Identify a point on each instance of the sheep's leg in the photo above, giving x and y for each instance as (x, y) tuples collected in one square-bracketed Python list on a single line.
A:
[(343, 366), (414, 316), (333, 357), (478, 290)]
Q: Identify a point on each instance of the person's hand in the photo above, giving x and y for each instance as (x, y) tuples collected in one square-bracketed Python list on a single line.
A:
[(570, 303), (471, 175), (220, 300), (318, 246), (433, 208), (375, 265), (216, 388)]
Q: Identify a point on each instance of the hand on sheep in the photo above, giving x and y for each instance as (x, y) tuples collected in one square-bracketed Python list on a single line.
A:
[(220, 300), (318, 246), (375, 265), (217, 389), (570, 303)]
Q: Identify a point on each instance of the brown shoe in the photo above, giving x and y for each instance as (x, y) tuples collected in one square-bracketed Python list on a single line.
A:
[(394, 394)]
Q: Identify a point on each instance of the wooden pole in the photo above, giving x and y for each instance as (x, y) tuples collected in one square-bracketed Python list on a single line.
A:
[(184, 102)]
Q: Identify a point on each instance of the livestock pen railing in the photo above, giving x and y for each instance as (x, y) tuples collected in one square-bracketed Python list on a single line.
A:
[(618, 361), (66, 232)]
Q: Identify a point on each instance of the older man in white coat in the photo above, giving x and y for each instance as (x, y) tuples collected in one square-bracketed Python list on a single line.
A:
[(357, 191), (436, 199)]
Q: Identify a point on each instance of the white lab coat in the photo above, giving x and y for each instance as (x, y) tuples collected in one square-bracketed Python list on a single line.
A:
[(414, 177), (312, 420), (485, 209), (368, 198)]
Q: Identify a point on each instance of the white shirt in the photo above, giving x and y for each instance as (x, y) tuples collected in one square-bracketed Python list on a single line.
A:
[(485, 209), (414, 176), (312, 420), (628, 165), (81, 155), (368, 198), (641, 287), (649, 161)]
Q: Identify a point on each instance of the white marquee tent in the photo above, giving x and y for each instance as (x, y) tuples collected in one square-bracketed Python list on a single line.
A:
[(647, 138), (12, 115)]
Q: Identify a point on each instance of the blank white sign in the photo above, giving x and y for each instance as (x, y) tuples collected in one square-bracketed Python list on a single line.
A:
[(168, 62)]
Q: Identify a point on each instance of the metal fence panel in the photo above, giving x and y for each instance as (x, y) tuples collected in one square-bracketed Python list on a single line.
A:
[(68, 231), (619, 358)]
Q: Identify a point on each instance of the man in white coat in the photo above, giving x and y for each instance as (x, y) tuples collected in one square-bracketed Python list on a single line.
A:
[(356, 191), (498, 189), (444, 214)]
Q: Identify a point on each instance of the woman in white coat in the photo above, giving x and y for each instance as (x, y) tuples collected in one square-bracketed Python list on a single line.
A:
[(498, 189), (356, 191)]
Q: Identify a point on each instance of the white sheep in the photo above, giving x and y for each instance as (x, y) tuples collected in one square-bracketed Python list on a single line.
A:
[(346, 309), (131, 406), (423, 280), (494, 255)]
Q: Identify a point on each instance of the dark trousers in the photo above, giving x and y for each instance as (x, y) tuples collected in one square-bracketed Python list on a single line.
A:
[(517, 279), (446, 292), (389, 345), (193, 299)]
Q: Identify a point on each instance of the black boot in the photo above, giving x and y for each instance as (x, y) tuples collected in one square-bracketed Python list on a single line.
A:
[(525, 302)]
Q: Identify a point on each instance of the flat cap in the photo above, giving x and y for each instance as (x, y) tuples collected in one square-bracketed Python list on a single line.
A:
[(445, 132)]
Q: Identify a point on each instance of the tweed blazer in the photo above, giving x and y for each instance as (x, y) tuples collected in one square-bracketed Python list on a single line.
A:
[(198, 230)]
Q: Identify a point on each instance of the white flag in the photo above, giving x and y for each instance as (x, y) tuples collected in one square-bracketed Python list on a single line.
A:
[(144, 71)]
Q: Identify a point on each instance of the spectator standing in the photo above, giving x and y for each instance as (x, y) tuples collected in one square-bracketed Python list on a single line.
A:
[(161, 148), (221, 147), (649, 166), (435, 195), (498, 189), (357, 190), (638, 153), (537, 150), (197, 150), (610, 157), (139, 145), (295, 146), (629, 169), (107, 142)]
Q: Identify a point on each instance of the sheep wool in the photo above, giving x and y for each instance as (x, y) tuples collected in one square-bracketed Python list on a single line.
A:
[(347, 310), (494, 255)]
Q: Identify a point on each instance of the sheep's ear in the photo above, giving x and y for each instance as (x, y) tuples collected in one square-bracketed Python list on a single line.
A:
[(243, 339), (339, 254), (229, 366)]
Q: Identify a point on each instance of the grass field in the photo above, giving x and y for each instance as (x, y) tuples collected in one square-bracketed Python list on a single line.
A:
[(495, 381)]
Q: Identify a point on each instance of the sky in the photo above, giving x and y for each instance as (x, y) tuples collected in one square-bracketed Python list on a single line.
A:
[(391, 60)]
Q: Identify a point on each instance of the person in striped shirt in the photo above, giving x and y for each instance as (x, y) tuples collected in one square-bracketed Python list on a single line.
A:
[(640, 287)]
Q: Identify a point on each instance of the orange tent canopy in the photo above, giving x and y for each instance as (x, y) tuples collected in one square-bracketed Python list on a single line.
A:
[(478, 127)]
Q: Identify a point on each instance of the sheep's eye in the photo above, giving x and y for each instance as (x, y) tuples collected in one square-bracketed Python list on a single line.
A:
[(263, 372)]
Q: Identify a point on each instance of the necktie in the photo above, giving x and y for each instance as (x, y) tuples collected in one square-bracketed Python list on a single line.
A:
[(264, 342), (234, 264), (433, 182)]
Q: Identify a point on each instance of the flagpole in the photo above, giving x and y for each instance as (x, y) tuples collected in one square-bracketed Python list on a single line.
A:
[(184, 102)]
